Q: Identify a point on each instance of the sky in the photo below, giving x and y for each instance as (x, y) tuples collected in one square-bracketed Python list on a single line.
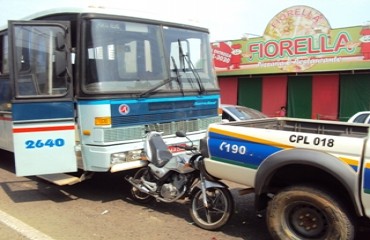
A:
[(225, 19)]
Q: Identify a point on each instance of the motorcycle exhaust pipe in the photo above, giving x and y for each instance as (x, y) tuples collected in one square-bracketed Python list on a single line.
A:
[(139, 186)]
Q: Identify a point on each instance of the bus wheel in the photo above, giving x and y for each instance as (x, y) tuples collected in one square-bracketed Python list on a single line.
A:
[(303, 212)]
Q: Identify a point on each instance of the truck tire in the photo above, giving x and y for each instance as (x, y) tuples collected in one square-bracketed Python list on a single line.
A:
[(304, 212)]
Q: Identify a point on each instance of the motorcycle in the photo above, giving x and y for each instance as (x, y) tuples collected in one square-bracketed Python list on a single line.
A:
[(168, 178)]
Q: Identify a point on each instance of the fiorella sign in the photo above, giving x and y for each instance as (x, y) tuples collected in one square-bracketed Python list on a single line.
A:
[(298, 39)]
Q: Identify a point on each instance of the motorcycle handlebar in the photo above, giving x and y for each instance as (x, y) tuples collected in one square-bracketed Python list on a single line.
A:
[(186, 147), (190, 148)]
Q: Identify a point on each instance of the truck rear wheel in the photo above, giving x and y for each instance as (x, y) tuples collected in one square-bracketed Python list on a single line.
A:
[(304, 212)]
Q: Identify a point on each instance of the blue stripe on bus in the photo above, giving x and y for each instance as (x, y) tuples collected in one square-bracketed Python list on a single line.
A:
[(149, 100), (127, 112), (42, 110), (161, 110), (93, 102)]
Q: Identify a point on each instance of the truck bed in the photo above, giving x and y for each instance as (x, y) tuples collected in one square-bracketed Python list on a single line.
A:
[(333, 128)]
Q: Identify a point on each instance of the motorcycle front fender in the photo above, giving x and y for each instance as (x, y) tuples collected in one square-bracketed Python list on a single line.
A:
[(212, 184), (208, 184)]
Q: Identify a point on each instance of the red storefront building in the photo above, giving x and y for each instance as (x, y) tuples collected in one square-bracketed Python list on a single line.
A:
[(300, 62)]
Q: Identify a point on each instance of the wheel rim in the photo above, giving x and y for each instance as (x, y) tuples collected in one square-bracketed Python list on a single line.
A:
[(139, 195), (306, 220), (136, 192), (217, 207)]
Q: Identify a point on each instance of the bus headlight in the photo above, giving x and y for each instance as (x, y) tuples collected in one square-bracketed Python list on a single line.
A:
[(126, 156), (118, 157)]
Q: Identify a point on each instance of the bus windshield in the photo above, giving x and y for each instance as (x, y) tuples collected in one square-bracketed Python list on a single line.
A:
[(136, 58)]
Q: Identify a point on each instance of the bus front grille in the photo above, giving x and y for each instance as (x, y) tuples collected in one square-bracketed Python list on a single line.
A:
[(169, 128), (153, 118)]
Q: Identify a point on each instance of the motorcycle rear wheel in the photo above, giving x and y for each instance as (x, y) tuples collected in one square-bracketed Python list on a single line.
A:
[(136, 194), (219, 211)]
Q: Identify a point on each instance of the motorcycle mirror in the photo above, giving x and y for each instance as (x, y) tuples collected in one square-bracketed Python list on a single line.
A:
[(180, 134), (183, 134)]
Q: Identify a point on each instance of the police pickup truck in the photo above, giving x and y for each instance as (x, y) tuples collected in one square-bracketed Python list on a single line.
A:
[(312, 177)]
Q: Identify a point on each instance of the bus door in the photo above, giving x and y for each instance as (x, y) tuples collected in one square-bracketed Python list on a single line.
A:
[(42, 107)]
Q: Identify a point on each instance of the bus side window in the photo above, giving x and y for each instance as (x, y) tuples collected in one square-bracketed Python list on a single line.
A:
[(5, 93), (4, 59), (37, 56), (27, 86), (5, 87)]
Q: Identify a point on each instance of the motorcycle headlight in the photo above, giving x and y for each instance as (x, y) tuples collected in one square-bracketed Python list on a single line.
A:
[(203, 147), (197, 162)]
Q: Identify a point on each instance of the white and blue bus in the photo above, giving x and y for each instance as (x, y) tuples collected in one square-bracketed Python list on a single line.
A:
[(79, 88)]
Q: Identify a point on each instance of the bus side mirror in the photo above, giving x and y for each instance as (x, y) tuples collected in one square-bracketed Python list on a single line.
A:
[(60, 54), (60, 63), (60, 41)]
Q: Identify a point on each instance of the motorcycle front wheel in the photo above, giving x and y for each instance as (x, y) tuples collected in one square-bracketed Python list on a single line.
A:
[(136, 194), (218, 212)]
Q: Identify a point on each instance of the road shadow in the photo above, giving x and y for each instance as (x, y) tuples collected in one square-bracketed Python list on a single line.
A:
[(102, 187), (244, 223), (106, 187)]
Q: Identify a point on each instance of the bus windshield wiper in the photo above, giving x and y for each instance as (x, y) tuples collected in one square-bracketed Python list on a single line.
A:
[(151, 90), (177, 75), (177, 78), (191, 66)]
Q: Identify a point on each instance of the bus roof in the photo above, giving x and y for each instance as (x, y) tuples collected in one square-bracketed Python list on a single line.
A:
[(116, 12)]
